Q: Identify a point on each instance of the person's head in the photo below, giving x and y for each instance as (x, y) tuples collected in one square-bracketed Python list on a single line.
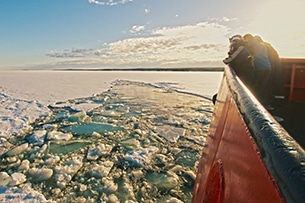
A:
[(258, 38), (247, 37), (235, 38)]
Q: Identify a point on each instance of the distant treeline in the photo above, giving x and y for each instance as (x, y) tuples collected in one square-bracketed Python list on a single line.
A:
[(147, 69)]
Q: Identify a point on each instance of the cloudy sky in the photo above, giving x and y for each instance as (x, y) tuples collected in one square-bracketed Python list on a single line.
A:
[(48, 34)]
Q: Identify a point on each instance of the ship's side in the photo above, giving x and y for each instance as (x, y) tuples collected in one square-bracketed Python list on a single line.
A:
[(248, 156)]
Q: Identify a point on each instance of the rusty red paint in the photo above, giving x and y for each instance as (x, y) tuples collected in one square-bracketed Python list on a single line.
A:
[(215, 182), (245, 177)]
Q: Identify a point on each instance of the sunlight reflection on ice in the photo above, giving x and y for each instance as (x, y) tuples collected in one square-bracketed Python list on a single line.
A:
[(139, 142)]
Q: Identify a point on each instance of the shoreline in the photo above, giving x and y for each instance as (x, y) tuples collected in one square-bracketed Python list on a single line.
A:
[(205, 69)]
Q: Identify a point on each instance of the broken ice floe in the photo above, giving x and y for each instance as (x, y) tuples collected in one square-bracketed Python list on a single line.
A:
[(40, 174), (97, 151), (136, 142), (24, 195), (140, 156)]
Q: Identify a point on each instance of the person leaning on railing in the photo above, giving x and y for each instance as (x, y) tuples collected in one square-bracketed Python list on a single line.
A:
[(262, 70), (240, 60)]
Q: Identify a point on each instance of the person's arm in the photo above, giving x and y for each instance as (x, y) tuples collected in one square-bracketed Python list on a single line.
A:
[(233, 55)]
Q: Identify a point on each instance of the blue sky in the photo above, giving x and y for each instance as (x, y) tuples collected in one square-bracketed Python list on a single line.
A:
[(49, 34)]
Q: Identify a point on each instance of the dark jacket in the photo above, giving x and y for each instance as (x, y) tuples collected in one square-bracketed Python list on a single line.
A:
[(260, 55), (239, 58)]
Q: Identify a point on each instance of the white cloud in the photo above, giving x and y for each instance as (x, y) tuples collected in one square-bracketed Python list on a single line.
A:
[(137, 28), (109, 2), (202, 44), (76, 53), (226, 19), (146, 10)]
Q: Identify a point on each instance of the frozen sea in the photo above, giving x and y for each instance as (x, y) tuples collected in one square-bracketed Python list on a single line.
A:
[(46, 122)]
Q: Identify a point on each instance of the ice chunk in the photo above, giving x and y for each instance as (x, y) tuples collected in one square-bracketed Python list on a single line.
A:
[(111, 113), (24, 166), (141, 155), (109, 185), (85, 106), (78, 117), (170, 133), (18, 150), (95, 152), (38, 137), (187, 158), (57, 135), (113, 198), (130, 143), (191, 174), (65, 173), (174, 200), (4, 145), (4, 179), (52, 160), (17, 179), (82, 187), (25, 195), (12, 159), (163, 181), (40, 174), (101, 170)]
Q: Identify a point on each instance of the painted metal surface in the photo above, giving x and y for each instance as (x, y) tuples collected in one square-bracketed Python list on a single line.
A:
[(248, 156), (294, 74)]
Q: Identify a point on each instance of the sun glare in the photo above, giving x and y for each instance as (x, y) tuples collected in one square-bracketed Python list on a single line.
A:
[(282, 24)]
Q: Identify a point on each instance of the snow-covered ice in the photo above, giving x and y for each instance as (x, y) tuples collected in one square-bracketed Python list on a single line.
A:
[(80, 136), (25, 95)]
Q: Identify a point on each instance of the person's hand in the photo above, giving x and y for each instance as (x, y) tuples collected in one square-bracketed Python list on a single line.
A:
[(227, 60)]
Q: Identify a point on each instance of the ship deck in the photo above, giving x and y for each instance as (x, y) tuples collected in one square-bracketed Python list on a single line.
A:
[(293, 114), (292, 108)]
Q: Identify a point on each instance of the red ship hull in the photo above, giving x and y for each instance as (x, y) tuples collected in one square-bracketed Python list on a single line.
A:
[(248, 156)]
